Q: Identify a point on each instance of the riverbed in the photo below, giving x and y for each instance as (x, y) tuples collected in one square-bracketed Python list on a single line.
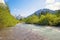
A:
[(30, 32)]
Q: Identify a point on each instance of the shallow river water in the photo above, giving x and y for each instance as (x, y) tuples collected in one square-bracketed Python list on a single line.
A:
[(30, 32)]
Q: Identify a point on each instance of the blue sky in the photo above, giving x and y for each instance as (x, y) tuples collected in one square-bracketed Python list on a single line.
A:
[(27, 7)]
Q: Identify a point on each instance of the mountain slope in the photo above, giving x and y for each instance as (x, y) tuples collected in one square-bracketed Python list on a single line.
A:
[(6, 19), (44, 17), (44, 11)]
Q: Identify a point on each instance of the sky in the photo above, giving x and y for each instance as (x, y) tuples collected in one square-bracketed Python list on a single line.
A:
[(27, 7)]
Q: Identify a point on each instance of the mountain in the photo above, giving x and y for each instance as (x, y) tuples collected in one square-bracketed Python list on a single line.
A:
[(44, 17), (44, 11), (19, 17)]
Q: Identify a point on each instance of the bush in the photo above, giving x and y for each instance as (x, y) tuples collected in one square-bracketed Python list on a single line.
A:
[(43, 20), (33, 19)]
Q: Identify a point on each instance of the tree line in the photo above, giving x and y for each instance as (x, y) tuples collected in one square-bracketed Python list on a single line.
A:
[(52, 19)]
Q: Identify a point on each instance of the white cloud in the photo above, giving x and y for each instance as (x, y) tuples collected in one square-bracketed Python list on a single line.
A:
[(50, 1), (53, 5)]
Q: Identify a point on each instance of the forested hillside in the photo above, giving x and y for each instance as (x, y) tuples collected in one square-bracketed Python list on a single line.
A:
[(47, 18), (6, 19)]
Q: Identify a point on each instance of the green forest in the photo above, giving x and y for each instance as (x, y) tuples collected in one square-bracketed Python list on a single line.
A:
[(44, 19), (6, 19)]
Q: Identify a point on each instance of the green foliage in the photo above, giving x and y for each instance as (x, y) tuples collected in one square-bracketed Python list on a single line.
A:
[(51, 18), (48, 19), (32, 19), (45, 19), (58, 13), (6, 19)]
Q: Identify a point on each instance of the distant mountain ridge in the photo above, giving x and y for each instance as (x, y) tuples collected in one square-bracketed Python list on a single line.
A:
[(19, 17), (38, 12), (44, 11)]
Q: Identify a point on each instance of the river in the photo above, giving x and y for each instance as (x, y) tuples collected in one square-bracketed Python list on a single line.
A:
[(30, 32)]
